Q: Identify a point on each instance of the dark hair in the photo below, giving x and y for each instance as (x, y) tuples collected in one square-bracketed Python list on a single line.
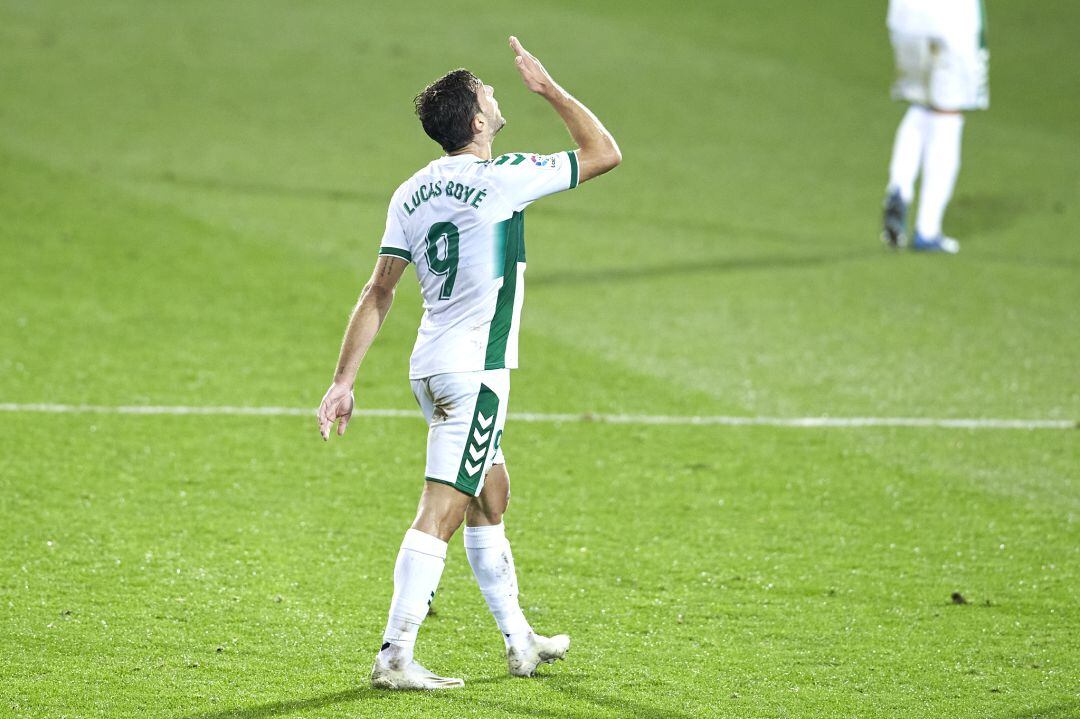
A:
[(446, 108)]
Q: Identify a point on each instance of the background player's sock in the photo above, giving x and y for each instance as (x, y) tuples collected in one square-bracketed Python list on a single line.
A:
[(493, 565), (908, 152), (941, 164), (419, 567)]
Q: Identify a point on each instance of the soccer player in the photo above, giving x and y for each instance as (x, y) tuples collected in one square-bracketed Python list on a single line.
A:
[(942, 70), (460, 221)]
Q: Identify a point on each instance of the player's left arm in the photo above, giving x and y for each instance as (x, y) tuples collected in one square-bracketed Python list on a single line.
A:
[(367, 318), (597, 150)]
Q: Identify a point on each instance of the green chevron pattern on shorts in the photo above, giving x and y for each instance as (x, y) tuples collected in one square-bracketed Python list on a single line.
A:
[(510, 243), (479, 442)]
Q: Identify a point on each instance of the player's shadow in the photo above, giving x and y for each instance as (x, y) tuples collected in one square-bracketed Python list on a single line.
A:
[(569, 686), (971, 215), (290, 706)]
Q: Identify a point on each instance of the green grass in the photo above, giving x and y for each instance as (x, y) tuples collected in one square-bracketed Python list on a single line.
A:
[(191, 195)]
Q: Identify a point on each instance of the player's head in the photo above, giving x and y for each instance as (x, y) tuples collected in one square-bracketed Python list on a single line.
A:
[(457, 108)]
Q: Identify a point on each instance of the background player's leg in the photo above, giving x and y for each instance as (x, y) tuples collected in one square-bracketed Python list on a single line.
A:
[(907, 152), (941, 165), (903, 170)]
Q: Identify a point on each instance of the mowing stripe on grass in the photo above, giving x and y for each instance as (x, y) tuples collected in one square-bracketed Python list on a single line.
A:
[(654, 419)]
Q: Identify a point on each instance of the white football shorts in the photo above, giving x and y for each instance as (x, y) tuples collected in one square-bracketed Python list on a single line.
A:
[(465, 412), (942, 75)]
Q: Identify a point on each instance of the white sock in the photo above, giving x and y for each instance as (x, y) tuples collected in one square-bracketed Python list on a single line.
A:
[(941, 164), (493, 565), (908, 152), (419, 567)]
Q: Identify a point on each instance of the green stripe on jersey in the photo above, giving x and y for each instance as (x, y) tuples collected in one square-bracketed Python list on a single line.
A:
[(510, 243), (572, 154), (479, 442), (982, 24), (396, 252)]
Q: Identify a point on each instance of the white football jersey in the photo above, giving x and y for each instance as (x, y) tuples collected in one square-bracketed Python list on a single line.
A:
[(461, 221), (948, 20)]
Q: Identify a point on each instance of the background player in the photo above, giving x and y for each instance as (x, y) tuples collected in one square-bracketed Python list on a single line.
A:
[(942, 70), (460, 221)]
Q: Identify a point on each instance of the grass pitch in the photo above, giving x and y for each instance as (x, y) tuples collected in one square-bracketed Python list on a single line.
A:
[(191, 196)]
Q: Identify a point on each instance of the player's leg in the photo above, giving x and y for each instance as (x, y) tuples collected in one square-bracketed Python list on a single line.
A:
[(490, 556), (488, 507), (422, 555), (907, 152), (492, 562), (941, 166), (417, 572), (904, 166), (912, 54), (485, 537), (419, 568), (958, 82)]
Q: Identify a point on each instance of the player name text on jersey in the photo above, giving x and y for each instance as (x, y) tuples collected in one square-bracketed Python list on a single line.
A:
[(471, 196)]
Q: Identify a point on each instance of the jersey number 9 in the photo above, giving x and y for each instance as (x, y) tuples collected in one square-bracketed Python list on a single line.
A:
[(446, 265)]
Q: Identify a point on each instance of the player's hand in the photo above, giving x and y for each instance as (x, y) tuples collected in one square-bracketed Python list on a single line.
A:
[(337, 404), (534, 75)]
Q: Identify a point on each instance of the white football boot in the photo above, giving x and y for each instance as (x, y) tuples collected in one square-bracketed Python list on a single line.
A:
[(522, 661), (410, 675)]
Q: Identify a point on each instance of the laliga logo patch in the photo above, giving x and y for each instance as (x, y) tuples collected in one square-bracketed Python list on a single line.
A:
[(543, 160)]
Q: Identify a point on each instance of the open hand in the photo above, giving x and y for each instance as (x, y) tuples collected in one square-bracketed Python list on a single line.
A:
[(337, 404), (534, 75)]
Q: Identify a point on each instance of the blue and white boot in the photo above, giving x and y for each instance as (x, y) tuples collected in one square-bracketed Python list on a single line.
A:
[(941, 243)]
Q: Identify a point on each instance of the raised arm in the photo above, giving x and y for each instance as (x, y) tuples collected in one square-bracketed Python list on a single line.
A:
[(597, 151), (367, 318)]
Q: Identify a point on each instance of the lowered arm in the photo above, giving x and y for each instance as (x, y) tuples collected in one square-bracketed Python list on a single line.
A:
[(364, 324)]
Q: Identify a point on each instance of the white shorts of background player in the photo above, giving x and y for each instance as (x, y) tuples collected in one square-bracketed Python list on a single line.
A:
[(466, 413), (941, 74)]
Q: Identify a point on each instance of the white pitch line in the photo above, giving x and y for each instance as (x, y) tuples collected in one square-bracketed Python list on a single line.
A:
[(643, 419)]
